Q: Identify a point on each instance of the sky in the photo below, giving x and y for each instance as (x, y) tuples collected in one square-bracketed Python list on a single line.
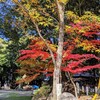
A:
[(4, 9)]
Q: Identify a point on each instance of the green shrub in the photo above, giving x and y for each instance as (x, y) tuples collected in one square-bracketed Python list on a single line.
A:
[(42, 92)]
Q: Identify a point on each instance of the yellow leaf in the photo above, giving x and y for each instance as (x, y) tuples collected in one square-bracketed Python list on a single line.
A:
[(53, 47), (64, 1)]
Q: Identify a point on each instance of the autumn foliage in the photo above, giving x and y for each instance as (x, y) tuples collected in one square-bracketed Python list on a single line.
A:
[(81, 47)]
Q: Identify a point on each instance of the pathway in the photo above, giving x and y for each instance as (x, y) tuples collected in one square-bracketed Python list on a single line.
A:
[(7, 93)]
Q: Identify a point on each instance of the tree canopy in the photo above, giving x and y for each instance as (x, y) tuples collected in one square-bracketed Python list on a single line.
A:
[(63, 40)]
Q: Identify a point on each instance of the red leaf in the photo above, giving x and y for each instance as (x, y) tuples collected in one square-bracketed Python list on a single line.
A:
[(78, 70)]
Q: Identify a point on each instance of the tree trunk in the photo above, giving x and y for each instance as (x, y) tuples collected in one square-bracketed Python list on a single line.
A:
[(57, 69), (76, 94)]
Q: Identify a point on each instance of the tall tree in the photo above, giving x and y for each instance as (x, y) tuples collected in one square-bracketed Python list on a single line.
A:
[(27, 8)]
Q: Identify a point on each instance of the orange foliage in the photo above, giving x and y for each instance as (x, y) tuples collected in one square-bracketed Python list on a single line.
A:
[(28, 78)]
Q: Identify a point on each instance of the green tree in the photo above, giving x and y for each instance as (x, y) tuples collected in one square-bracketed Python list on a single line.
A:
[(8, 55), (12, 38), (3, 52)]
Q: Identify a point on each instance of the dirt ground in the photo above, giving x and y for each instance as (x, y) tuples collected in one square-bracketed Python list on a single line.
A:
[(87, 98)]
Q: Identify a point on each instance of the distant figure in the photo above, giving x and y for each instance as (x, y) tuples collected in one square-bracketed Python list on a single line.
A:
[(27, 87), (78, 88), (83, 90), (6, 87), (87, 90), (96, 89), (35, 86)]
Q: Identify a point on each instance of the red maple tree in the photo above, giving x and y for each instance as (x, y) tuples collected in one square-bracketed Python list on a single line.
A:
[(80, 47)]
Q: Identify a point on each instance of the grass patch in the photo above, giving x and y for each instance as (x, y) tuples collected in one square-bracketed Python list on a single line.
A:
[(13, 95), (18, 98)]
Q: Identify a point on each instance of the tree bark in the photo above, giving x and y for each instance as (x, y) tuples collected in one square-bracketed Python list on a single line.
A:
[(57, 69)]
